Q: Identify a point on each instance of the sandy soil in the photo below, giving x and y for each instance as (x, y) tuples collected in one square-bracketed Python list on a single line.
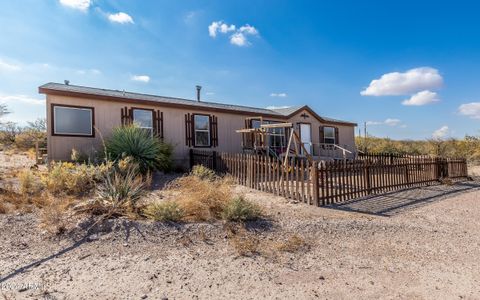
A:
[(428, 251)]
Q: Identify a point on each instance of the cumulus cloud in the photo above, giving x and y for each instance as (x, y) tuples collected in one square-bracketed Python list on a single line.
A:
[(8, 67), (120, 17), (140, 78), (219, 26), (441, 133), (21, 98), (82, 5), (471, 110), (238, 36), (247, 29), (422, 98), (281, 95), (389, 122), (412, 81), (238, 39)]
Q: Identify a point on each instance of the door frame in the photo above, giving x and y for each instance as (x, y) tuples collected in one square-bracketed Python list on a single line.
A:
[(300, 136)]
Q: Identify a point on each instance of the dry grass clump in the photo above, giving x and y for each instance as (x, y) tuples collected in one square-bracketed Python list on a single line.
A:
[(202, 200), (3, 208), (74, 179), (292, 244), (238, 209), (246, 244), (203, 173), (29, 183), (165, 211), (118, 194), (55, 217)]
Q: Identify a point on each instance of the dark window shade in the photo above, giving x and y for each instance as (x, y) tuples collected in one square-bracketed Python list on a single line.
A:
[(73, 121)]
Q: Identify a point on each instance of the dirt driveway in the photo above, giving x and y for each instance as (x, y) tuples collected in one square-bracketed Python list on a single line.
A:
[(428, 250)]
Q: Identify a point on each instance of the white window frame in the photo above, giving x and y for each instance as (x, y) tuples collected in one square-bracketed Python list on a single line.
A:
[(195, 130), (325, 136), (143, 127), (54, 108)]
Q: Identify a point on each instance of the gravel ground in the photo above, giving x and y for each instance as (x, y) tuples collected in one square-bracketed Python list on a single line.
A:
[(428, 251)]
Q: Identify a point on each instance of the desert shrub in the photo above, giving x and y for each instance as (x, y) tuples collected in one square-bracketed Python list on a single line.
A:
[(292, 244), (246, 244), (26, 139), (147, 151), (55, 216), (165, 211), (29, 183), (120, 191), (3, 208), (238, 209), (74, 179), (203, 173), (79, 157), (201, 200)]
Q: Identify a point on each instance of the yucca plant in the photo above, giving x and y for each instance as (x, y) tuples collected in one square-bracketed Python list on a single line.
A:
[(147, 151), (121, 191)]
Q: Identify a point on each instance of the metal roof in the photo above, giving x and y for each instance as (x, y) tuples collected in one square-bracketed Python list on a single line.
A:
[(84, 90)]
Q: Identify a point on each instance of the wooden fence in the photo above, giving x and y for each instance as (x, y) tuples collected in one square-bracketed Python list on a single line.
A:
[(323, 183)]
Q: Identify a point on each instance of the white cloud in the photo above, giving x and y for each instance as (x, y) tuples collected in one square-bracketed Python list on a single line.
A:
[(120, 17), (281, 95), (412, 81), (247, 29), (4, 66), (422, 98), (471, 110), (238, 37), (220, 27), (141, 78), (389, 122), (21, 98), (82, 5), (441, 133), (392, 122), (209, 93)]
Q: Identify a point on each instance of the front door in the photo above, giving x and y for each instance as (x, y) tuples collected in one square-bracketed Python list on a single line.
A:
[(306, 137)]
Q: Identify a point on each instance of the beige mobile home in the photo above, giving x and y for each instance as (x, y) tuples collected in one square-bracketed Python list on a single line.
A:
[(79, 117)]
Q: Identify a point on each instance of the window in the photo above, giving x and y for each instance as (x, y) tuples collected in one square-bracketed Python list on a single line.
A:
[(255, 123), (276, 137), (202, 130), (329, 135), (143, 118), (72, 121)]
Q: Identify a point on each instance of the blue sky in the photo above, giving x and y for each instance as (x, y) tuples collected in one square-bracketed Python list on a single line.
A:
[(424, 56)]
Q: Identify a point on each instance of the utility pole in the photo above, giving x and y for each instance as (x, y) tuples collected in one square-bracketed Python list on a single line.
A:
[(365, 135)]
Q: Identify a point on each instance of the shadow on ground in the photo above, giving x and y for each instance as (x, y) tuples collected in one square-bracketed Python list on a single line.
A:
[(396, 202)]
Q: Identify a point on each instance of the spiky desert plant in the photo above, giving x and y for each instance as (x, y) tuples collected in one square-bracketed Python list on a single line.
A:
[(148, 151)]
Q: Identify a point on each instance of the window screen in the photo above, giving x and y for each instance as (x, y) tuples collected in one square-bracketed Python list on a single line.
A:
[(73, 121), (202, 130)]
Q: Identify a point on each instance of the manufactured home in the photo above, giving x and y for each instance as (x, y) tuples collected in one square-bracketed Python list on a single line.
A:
[(78, 117)]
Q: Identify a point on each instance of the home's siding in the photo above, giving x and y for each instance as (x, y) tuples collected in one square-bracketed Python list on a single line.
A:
[(108, 116), (346, 133)]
